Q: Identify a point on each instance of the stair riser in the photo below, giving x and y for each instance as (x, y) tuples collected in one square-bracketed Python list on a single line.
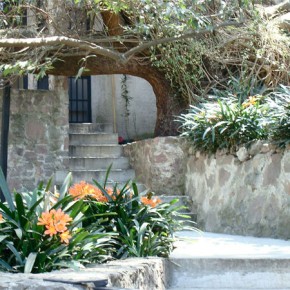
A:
[(229, 273), (98, 163), (96, 151), (91, 128), (92, 139), (114, 176)]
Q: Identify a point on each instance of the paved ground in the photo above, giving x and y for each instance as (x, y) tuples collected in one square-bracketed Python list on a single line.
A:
[(209, 245), (217, 261)]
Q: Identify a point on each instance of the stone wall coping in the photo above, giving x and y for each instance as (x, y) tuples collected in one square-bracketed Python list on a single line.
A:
[(243, 152), (131, 273)]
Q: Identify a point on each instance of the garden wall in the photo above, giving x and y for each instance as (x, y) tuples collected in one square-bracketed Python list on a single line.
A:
[(132, 273), (38, 137), (245, 192), (159, 163)]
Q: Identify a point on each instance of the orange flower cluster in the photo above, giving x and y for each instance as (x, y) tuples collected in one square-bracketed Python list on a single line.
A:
[(56, 221), (250, 102), (1, 217), (83, 189), (150, 201)]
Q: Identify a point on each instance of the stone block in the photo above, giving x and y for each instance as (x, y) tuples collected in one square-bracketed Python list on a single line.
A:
[(243, 154)]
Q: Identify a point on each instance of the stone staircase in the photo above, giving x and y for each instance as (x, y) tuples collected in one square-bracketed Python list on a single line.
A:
[(92, 149)]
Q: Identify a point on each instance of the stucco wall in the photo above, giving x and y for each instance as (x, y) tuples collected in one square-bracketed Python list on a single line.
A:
[(38, 136), (142, 107), (245, 192)]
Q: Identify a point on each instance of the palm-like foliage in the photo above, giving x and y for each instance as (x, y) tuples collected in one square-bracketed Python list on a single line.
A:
[(225, 123)]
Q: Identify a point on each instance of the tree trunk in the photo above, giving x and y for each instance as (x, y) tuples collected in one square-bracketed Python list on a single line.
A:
[(168, 105)]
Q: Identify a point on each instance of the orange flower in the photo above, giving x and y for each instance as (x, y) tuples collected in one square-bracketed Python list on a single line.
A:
[(65, 236), (250, 102), (45, 219), (50, 230), (55, 221), (150, 201), (83, 189), (1, 218)]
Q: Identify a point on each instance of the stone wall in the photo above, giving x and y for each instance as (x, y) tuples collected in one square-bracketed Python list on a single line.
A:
[(133, 273), (159, 163), (246, 193), (38, 136)]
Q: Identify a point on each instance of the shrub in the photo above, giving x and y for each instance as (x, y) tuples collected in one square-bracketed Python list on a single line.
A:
[(279, 104), (143, 226), (40, 232), (225, 123), (85, 223)]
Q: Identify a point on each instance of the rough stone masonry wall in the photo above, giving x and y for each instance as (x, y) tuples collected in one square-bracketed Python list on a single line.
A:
[(38, 136), (132, 273), (159, 163), (246, 192)]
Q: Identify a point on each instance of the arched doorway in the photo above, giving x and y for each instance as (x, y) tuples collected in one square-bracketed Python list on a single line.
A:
[(126, 102)]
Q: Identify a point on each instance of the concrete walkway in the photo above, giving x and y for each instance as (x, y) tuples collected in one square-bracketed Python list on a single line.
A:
[(218, 261)]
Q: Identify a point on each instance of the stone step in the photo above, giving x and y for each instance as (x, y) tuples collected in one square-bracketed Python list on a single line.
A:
[(93, 138), (116, 175), (217, 261), (107, 150), (240, 280), (90, 127), (76, 163)]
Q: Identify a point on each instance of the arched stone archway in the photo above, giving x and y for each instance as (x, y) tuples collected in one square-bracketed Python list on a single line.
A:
[(168, 105)]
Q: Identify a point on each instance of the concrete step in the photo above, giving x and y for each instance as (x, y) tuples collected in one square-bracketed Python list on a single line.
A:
[(217, 261), (107, 150), (116, 175), (93, 138), (76, 163), (90, 127)]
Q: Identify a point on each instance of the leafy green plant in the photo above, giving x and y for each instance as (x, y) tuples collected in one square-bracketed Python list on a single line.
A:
[(279, 104), (225, 123), (40, 232), (84, 223), (143, 225)]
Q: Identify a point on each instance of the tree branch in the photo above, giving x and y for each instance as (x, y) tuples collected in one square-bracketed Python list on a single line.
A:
[(192, 34), (93, 48), (61, 40)]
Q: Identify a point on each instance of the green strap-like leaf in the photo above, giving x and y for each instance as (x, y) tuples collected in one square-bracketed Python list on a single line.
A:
[(5, 265), (15, 252), (5, 190), (30, 262), (65, 186)]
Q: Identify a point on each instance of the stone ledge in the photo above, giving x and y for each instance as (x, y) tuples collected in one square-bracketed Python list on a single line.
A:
[(133, 273)]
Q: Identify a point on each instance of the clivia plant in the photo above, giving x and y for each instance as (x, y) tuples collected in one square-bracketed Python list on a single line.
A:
[(80, 224)]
